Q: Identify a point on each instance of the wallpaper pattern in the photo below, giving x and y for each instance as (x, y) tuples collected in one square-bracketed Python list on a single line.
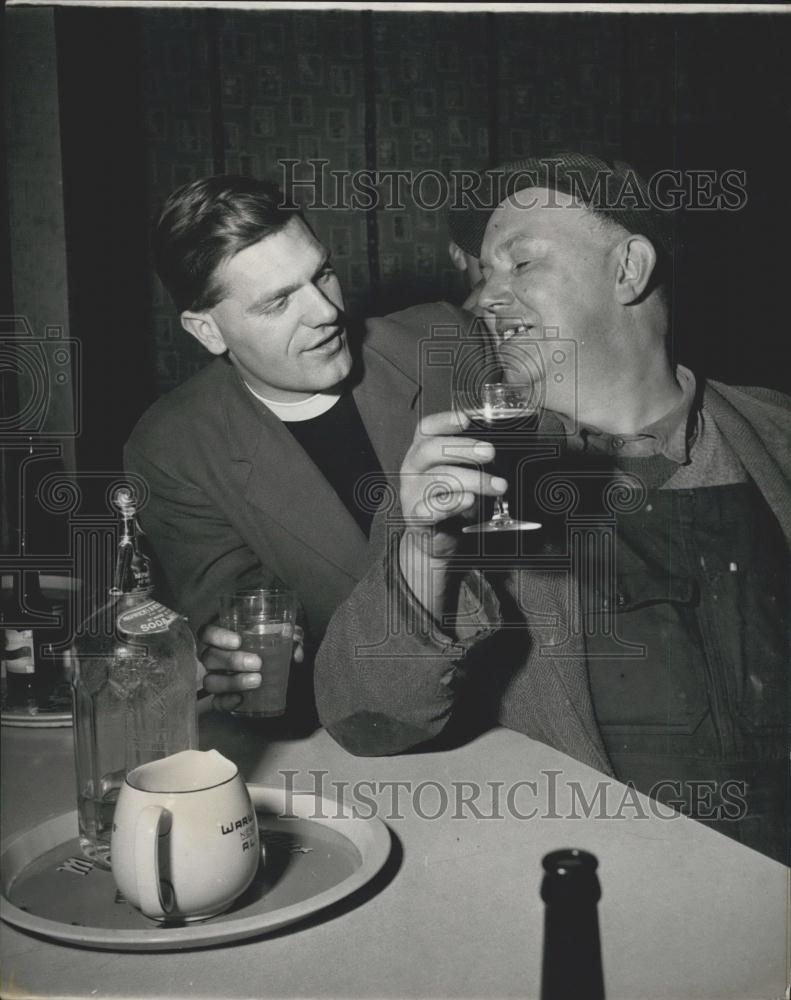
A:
[(238, 92)]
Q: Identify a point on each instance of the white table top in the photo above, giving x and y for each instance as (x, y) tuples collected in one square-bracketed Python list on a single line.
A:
[(685, 912)]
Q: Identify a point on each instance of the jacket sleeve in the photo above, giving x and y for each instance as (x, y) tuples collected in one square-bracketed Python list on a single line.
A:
[(387, 677), (199, 552)]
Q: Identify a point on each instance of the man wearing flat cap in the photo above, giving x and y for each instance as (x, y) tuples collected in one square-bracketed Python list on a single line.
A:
[(644, 629)]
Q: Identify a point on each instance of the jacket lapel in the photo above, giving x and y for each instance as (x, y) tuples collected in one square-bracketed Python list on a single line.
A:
[(757, 430), (285, 484), (386, 399)]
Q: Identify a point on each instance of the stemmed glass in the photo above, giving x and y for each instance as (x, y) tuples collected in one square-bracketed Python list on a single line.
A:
[(500, 406)]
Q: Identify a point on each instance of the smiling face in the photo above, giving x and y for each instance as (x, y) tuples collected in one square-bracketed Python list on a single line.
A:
[(550, 278), (281, 318)]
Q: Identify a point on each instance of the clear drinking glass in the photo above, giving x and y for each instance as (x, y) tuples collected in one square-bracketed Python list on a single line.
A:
[(496, 409), (265, 621)]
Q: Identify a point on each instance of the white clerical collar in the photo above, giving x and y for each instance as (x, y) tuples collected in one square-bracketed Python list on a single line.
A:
[(305, 409)]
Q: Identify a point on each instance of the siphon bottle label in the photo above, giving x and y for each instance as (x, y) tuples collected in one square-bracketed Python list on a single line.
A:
[(146, 619)]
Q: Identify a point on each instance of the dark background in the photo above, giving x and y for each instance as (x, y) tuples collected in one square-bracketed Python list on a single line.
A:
[(150, 99)]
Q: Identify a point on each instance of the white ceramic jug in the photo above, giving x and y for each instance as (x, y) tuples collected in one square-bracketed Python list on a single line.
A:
[(185, 836)]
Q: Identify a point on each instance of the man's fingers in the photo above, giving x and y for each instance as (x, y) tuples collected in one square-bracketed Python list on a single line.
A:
[(459, 479), (226, 702), (467, 450), (298, 650), (217, 683), (448, 481), (433, 451), (231, 671), (223, 638), (450, 491), (437, 509), (447, 422), (236, 661)]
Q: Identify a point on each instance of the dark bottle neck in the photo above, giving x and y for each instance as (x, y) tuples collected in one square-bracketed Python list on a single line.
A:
[(572, 965)]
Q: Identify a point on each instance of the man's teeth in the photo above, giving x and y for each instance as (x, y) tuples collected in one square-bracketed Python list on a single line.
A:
[(507, 334)]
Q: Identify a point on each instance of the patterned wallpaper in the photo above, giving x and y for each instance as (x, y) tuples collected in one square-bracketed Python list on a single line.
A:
[(239, 91)]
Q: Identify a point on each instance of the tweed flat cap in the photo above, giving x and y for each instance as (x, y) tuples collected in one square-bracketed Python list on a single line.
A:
[(612, 189)]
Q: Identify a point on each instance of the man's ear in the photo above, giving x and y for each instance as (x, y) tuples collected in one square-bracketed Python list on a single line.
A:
[(636, 263), (457, 256), (205, 330)]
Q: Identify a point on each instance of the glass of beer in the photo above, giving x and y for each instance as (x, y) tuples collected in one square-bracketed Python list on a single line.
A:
[(265, 621), (496, 411)]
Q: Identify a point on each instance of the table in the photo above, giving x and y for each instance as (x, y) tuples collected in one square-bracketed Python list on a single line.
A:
[(685, 912)]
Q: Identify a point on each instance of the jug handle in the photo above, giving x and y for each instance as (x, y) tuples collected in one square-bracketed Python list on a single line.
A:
[(156, 897)]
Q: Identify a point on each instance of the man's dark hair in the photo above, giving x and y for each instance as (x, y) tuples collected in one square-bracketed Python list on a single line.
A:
[(206, 222)]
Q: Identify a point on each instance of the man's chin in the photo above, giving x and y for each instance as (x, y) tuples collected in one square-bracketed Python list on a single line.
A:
[(334, 370)]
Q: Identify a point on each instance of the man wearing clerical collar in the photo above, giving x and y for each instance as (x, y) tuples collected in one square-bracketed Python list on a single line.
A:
[(644, 629), (267, 466)]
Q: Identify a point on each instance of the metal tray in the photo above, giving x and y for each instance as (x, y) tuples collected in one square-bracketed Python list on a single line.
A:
[(316, 855)]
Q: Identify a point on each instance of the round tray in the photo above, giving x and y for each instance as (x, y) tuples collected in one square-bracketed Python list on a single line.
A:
[(317, 854)]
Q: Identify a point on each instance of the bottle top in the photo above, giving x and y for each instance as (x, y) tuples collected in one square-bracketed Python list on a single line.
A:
[(570, 876), (132, 568), (124, 500)]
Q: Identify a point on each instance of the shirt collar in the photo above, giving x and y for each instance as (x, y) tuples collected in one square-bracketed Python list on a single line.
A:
[(305, 409), (672, 435)]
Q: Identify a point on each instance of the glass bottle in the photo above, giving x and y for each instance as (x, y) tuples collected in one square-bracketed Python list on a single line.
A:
[(133, 687), (572, 966)]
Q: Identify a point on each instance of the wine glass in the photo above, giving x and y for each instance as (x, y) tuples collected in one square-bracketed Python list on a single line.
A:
[(501, 406)]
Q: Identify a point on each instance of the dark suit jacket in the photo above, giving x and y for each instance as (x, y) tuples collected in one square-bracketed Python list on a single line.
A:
[(382, 689), (235, 501)]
